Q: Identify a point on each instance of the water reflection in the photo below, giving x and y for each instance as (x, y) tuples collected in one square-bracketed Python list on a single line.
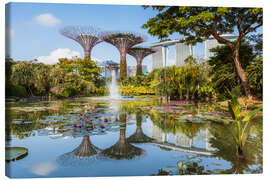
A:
[(122, 149), (85, 154), (139, 136), (209, 142)]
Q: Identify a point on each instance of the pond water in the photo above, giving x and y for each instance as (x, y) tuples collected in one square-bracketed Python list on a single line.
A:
[(90, 137)]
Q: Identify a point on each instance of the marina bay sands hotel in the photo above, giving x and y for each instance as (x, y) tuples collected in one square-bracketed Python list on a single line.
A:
[(182, 51)]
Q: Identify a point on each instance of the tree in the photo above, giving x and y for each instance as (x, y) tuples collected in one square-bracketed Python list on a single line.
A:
[(223, 71), (23, 75), (123, 42), (197, 23), (139, 53)]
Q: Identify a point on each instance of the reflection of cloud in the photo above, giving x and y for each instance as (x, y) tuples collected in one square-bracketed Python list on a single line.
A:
[(56, 54), (44, 168), (47, 19)]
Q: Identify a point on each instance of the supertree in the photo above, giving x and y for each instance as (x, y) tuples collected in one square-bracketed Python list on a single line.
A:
[(139, 136), (123, 42), (122, 149), (86, 36), (85, 154), (139, 53)]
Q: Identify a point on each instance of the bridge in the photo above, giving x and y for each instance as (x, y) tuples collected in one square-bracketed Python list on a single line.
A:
[(174, 147)]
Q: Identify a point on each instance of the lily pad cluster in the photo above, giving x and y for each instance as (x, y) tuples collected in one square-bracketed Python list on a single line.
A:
[(90, 121)]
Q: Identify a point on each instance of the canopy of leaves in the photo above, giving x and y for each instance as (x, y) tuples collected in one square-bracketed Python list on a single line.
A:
[(197, 23)]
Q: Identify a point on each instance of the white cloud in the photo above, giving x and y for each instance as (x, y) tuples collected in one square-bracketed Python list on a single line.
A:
[(56, 54), (47, 19), (44, 168)]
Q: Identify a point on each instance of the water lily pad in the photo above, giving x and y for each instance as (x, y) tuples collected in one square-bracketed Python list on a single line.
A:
[(15, 153)]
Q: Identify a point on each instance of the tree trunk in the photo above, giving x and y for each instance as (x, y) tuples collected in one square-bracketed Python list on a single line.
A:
[(123, 65), (139, 67), (241, 72)]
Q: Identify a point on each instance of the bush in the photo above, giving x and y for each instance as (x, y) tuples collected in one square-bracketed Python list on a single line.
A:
[(16, 91)]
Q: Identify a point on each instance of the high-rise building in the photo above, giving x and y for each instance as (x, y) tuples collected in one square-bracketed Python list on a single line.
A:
[(182, 51)]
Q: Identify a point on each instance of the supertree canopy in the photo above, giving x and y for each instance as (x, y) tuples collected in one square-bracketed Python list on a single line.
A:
[(86, 36), (139, 53), (85, 154), (123, 42)]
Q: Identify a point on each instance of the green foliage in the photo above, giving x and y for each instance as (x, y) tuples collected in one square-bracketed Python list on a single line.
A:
[(15, 91), (68, 78), (137, 85), (223, 72), (185, 81), (241, 122), (255, 75)]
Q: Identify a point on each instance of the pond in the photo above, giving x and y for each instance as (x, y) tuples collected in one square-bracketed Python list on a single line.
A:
[(91, 137)]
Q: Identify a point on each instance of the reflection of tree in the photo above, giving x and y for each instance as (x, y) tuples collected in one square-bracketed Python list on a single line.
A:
[(226, 149), (139, 136), (122, 149), (82, 155), (19, 129)]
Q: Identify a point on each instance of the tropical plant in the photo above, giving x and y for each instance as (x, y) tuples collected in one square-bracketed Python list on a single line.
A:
[(241, 123)]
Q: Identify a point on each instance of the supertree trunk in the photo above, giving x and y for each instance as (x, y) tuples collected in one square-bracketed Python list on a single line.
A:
[(87, 53), (122, 138), (123, 65), (139, 53), (139, 67)]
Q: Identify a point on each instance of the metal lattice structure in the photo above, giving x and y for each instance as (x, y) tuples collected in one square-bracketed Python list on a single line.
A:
[(139, 53), (86, 36), (84, 155), (123, 42)]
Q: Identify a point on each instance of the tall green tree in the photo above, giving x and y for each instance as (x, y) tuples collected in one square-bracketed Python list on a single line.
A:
[(197, 23), (223, 71)]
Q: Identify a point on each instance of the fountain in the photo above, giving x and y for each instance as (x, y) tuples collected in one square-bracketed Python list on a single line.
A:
[(113, 87)]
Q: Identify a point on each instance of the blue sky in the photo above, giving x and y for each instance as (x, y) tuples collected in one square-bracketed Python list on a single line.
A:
[(30, 38)]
